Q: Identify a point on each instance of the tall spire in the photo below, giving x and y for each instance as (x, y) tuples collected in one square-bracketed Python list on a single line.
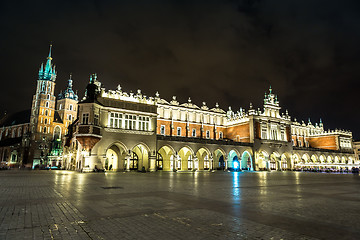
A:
[(48, 62)]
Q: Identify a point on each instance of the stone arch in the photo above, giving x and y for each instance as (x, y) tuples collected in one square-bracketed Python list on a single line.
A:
[(336, 159), (57, 132), (219, 159), (203, 159), (329, 159), (322, 158), (233, 160), (305, 158), (115, 156), (166, 157), (285, 162), (246, 161), (139, 158), (343, 160), (263, 160), (275, 161), (296, 161), (313, 158), (185, 159)]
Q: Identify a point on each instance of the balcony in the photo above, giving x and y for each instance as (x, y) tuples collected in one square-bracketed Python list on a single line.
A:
[(88, 130)]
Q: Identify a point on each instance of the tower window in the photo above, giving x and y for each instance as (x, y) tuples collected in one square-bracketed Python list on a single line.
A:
[(221, 135), (71, 107), (46, 121), (46, 112), (48, 97), (47, 104), (60, 106), (70, 117)]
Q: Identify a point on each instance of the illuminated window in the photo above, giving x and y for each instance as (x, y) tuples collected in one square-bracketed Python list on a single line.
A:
[(263, 132), (60, 106), (193, 134), (85, 118), (162, 129), (179, 131)]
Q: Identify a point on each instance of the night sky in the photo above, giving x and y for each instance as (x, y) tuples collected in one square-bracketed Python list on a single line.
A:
[(214, 51)]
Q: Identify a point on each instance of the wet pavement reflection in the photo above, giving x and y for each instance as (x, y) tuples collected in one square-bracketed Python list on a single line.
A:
[(220, 205)]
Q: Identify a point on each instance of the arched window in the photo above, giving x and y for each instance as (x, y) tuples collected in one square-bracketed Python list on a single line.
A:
[(47, 104), (57, 132), (48, 97), (13, 133), (44, 129), (71, 107), (46, 112), (221, 135), (70, 117), (60, 106), (19, 132), (46, 120)]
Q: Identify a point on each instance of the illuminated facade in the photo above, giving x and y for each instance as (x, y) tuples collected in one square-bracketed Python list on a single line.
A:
[(122, 131), (39, 132)]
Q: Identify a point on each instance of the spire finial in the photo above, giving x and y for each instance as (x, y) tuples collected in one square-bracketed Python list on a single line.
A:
[(270, 89), (70, 76), (49, 57)]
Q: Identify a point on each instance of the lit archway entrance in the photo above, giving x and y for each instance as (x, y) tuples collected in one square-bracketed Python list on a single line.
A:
[(114, 158), (263, 160), (219, 161), (139, 159), (202, 159), (166, 158), (275, 161), (233, 161), (284, 162), (246, 161), (186, 159)]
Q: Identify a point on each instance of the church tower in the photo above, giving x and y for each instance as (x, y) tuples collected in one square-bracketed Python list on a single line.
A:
[(67, 105), (42, 111)]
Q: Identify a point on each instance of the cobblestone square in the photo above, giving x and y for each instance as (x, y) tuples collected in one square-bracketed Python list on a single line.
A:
[(166, 205)]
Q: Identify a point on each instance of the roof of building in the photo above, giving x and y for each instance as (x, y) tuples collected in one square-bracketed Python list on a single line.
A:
[(57, 118), (17, 118)]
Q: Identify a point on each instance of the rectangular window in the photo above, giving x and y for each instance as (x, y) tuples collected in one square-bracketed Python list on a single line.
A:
[(162, 129), (221, 135), (179, 131), (193, 134), (85, 118), (96, 119), (207, 134), (115, 120), (263, 132)]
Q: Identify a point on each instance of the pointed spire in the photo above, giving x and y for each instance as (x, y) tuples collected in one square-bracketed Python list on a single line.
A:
[(49, 57), (270, 89), (48, 62), (70, 81)]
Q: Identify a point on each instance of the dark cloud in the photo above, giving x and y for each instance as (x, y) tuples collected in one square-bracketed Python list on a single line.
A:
[(214, 51)]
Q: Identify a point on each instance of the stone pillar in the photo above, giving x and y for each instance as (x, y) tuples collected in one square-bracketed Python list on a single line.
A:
[(211, 160), (226, 163), (128, 163), (196, 164), (152, 160)]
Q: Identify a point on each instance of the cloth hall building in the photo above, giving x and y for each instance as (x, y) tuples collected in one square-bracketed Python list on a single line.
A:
[(120, 131)]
